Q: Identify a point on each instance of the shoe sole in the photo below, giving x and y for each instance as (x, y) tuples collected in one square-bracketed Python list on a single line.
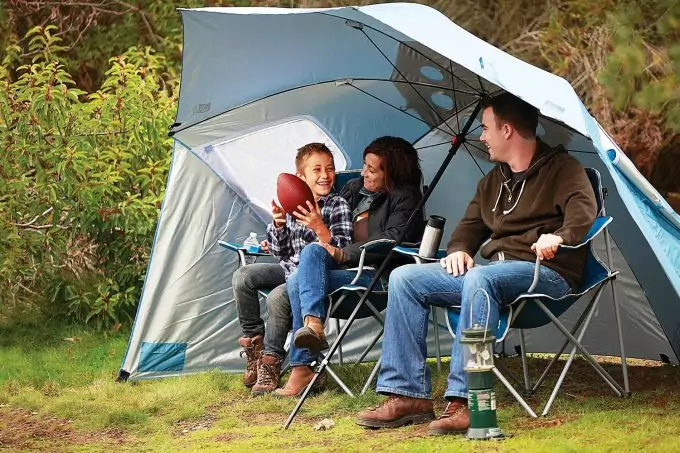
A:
[(309, 341), (405, 420), (445, 432)]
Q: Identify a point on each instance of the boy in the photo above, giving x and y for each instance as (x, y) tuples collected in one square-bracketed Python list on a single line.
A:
[(328, 220)]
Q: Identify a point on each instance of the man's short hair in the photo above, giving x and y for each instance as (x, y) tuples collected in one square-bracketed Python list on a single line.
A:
[(510, 109), (309, 149)]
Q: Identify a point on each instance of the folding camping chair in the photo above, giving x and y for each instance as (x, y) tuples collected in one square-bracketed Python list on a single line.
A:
[(531, 310)]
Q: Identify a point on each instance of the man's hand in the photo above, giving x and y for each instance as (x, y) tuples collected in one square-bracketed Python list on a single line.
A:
[(279, 215), (546, 246), (264, 246), (456, 263)]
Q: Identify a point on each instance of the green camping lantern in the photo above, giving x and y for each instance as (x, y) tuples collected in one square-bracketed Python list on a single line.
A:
[(477, 344)]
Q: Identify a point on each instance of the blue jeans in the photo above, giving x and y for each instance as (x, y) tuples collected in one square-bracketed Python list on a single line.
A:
[(316, 277), (414, 288)]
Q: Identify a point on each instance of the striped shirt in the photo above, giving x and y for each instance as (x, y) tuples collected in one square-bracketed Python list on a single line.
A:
[(286, 243)]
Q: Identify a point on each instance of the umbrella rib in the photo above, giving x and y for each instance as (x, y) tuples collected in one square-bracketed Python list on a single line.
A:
[(477, 147), (410, 47), (432, 146), (454, 113), (453, 85), (474, 160), (429, 85), (434, 110), (400, 110)]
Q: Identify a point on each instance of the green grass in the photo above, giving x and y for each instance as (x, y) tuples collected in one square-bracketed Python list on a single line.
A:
[(60, 395)]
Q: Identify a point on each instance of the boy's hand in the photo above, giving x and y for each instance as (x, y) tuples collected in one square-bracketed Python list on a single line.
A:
[(279, 215), (264, 246), (311, 218)]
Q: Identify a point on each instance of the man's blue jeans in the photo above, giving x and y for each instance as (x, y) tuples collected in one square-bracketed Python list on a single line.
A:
[(414, 288), (317, 276)]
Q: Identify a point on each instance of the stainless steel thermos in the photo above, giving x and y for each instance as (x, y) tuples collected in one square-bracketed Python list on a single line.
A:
[(432, 236)]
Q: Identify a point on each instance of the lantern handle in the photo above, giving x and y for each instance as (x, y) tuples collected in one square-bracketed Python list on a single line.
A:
[(488, 309)]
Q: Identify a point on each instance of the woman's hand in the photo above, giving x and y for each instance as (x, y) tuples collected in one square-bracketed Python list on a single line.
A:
[(311, 218), (336, 253)]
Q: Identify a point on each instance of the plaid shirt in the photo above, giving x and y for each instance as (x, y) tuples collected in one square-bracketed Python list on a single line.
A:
[(287, 242)]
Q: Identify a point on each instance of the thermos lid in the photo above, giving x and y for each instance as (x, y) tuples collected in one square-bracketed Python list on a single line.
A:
[(436, 221)]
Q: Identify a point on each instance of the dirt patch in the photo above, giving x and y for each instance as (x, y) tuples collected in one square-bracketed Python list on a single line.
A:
[(184, 427), (23, 429)]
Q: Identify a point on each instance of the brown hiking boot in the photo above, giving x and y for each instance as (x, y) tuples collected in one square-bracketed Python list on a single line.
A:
[(268, 374), (454, 420), (311, 336), (252, 348), (397, 410), (298, 381)]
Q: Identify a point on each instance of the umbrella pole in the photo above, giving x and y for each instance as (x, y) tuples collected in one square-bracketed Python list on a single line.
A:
[(457, 142)]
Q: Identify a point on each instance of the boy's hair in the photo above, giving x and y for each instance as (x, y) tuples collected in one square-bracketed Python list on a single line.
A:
[(401, 163), (309, 149), (510, 109)]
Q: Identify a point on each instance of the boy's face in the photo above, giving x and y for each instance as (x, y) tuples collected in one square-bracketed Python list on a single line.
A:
[(318, 171)]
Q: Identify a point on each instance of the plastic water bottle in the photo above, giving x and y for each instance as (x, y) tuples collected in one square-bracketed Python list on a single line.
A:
[(252, 245)]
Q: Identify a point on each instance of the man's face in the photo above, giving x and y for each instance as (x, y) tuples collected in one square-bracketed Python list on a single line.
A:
[(494, 136)]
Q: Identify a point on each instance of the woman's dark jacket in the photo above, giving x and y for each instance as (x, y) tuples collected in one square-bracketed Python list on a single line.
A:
[(387, 218)]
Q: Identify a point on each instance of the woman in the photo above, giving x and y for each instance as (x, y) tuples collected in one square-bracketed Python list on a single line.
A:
[(382, 200)]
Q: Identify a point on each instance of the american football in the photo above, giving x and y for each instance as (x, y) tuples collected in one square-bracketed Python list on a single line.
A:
[(292, 191)]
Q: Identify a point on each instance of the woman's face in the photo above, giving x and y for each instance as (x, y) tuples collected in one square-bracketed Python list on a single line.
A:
[(374, 173)]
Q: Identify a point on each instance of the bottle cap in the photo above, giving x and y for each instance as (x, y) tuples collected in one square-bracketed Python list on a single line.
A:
[(436, 221)]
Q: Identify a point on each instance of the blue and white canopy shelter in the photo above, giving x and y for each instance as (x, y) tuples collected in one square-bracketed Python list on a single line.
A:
[(259, 82)]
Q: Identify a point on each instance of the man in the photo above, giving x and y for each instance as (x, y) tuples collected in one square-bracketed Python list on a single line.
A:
[(535, 199)]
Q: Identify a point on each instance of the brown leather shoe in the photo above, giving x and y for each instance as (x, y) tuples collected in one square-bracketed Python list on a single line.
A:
[(268, 374), (298, 381), (311, 336), (252, 348), (454, 420), (397, 410)]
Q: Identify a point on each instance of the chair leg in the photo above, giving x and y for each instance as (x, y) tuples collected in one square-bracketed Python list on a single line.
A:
[(436, 338), (589, 315), (337, 379), (374, 373), (525, 366), (337, 328), (512, 390), (601, 371), (556, 357), (617, 315)]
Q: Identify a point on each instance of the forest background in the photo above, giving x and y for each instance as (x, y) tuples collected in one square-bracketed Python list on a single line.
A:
[(89, 87)]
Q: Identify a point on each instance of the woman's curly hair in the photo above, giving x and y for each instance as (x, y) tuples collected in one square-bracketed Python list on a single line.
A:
[(400, 161)]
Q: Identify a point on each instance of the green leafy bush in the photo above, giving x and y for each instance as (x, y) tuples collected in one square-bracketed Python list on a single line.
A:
[(82, 177)]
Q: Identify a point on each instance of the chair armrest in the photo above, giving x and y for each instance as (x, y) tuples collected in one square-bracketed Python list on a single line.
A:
[(412, 251), (598, 226), (234, 247), (379, 246)]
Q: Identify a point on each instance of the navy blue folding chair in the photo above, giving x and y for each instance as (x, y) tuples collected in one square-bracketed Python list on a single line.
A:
[(531, 310)]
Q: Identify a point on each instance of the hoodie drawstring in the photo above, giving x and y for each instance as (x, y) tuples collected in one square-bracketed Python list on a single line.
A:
[(516, 201), (500, 192)]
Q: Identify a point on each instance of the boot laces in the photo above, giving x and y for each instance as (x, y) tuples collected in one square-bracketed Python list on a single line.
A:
[(268, 373), (452, 409)]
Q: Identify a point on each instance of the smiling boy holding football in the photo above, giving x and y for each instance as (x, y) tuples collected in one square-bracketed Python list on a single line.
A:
[(328, 220)]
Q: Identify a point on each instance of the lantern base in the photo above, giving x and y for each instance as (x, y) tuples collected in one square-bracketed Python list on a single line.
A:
[(485, 434)]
